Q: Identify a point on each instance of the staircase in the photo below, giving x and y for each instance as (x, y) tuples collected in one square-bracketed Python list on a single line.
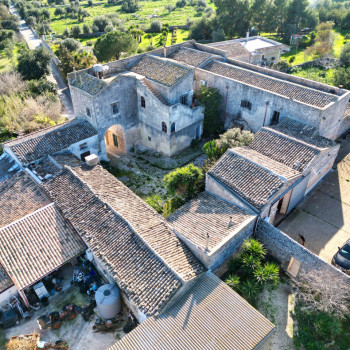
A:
[(154, 92)]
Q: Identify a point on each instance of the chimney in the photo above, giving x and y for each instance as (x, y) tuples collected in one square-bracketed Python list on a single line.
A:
[(207, 243), (231, 223), (164, 51), (247, 36)]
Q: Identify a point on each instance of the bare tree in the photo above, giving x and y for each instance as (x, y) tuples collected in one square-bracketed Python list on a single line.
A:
[(324, 291)]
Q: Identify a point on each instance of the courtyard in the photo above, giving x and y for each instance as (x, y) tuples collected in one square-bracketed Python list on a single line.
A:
[(323, 217)]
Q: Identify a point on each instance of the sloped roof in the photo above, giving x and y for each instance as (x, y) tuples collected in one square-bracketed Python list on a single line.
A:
[(20, 196), (207, 214), (5, 280), (189, 56), (37, 244), (249, 180), (147, 223), (267, 162), (88, 83), (160, 70), (287, 89), (210, 315), (38, 145), (303, 132), (233, 49), (284, 149), (142, 275)]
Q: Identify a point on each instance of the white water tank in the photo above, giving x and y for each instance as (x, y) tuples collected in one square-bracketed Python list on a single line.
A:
[(108, 301)]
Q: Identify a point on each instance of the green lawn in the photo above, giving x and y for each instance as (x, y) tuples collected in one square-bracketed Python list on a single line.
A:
[(141, 17)]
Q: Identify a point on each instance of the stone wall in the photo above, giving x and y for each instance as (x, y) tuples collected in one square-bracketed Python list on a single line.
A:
[(283, 248)]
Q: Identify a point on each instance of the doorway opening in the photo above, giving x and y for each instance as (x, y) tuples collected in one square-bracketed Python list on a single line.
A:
[(115, 141)]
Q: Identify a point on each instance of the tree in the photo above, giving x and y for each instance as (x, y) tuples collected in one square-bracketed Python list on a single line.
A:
[(323, 291), (71, 44), (345, 55), (5, 37), (324, 41), (130, 6), (82, 14), (75, 31), (112, 44), (156, 26), (169, 8), (86, 29), (100, 22), (297, 12), (202, 29), (342, 77), (210, 98), (186, 181), (34, 64), (60, 11), (234, 16), (45, 14), (67, 60)]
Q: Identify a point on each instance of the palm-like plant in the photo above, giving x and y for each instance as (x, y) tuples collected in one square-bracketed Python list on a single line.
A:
[(233, 264), (250, 289), (254, 247), (233, 281), (250, 262), (269, 273)]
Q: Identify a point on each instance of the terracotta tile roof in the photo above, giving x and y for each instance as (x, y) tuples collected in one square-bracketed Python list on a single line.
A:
[(281, 87), (267, 162), (233, 49), (146, 222), (250, 181), (189, 56), (303, 132), (210, 315), (207, 214), (160, 70), (20, 196), (144, 278), (39, 144), (88, 83), (8, 167), (284, 149), (5, 280), (37, 244)]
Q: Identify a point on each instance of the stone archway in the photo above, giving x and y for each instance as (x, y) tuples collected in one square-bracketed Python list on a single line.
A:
[(115, 141)]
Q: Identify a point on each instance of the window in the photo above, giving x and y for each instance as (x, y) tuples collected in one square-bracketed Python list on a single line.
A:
[(172, 128), (164, 127), (115, 140), (149, 138), (203, 82), (275, 117), (115, 108), (183, 99), (83, 146), (143, 102), (88, 112), (246, 104)]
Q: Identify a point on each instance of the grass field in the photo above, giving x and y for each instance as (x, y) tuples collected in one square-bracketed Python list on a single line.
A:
[(8, 64), (317, 74), (141, 17)]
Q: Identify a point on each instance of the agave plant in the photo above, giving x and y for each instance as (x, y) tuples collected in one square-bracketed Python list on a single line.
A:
[(234, 264), (269, 273), (233, 281), (254, 247)]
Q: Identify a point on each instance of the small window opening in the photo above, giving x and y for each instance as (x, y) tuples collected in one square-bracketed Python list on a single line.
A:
[(115, 108), (246, 104), (143, 102), (203, 82), (83, 146), (172, 127), (115, 140), (183, 99), (275, 118), (149, 138), (88, 112), (164, 127)]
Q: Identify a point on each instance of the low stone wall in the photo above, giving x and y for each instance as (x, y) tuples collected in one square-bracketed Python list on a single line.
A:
[(323, 63), (282, 247)]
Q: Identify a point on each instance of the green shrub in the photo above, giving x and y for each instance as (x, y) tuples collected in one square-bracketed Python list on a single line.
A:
[(171, 204), (156, 203), (233, 281), (253, 247), (292, 59)]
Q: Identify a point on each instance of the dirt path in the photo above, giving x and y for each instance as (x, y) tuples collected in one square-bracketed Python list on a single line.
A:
[(276, 306)]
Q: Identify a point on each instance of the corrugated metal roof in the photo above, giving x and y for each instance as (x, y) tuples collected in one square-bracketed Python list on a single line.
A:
[(210, 315)]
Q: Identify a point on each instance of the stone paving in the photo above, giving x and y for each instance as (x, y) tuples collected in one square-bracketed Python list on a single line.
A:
[(323, 218)]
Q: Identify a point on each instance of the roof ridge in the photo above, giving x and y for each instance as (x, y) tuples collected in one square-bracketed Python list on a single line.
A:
[(231, 150), (106, 202)]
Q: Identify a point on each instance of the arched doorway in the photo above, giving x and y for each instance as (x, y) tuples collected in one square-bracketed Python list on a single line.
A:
[(115, 141), (198, 132)]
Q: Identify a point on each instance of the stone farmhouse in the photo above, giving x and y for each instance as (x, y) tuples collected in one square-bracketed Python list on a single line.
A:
[(56, 198)]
